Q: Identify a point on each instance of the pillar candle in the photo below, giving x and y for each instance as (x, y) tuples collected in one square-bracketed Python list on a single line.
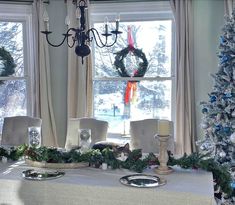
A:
[(104, 166), (163, 127), (4, 160)]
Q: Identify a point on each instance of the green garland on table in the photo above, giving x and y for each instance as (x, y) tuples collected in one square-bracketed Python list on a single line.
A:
[(13, 153), (119, 62), (8, 67), (134, 162), (221, 174)]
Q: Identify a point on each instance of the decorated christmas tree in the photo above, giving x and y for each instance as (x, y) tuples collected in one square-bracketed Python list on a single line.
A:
[(219, 112)]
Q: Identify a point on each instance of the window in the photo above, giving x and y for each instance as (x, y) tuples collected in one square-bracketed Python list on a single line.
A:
[(152, 29), (15, 37)]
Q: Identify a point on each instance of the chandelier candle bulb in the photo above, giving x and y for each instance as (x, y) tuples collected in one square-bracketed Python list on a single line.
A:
[(117, 22), (106, 21), (46, 20), (163, 127), (106, 28), (47, 26), (67, 20), (78, 14), (117, 25)]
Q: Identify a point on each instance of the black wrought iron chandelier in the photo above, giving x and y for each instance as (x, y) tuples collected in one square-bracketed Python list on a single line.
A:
[(82, 36)]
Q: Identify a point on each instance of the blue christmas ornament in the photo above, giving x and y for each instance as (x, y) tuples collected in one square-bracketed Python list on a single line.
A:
[(227, 130), (218, 127), (222, 39), (233, 184), (225, 97), (224, 59), (212, 98), (204, 110)]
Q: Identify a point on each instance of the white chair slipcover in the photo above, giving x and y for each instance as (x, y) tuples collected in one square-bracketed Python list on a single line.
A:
[(98, 128), (15, 129), (142, 136)]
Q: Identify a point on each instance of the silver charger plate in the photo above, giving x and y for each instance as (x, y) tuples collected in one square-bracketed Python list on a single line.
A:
[(40, 175), (142, 180)]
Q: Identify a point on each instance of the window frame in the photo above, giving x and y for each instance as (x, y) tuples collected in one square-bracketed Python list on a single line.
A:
[(137, 11), (22, 14)]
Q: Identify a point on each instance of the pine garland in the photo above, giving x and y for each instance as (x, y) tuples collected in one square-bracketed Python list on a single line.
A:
[(221, 174), (134, 162)]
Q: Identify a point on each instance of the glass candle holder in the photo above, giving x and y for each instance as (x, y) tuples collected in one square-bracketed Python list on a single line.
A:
[(84, 139), (34, 135)]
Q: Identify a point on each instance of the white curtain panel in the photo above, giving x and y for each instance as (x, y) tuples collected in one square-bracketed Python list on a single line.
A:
[(228, 6), (89, 74), (76, 98), (43, 100), (79, 97), (185, 111)]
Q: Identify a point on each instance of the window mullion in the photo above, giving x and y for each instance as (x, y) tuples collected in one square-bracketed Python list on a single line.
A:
[(132, 79), (13, 78)]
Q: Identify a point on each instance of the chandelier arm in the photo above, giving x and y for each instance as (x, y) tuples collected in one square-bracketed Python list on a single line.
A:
[(66, 36), (94, 33), (71, 45), (93, 30), (115, 40), (56, 45)]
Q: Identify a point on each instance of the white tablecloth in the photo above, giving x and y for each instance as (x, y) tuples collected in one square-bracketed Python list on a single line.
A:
[(90, 186)]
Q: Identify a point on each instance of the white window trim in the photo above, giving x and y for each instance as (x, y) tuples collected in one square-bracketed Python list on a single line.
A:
[(131, 10), (22, 13)]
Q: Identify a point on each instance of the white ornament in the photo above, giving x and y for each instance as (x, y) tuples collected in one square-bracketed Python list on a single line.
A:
[(204, 125), (233, 114), (232, 138), (218, 117), (222, 154)]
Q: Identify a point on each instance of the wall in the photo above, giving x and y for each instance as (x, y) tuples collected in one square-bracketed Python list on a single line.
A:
[(208, 21)]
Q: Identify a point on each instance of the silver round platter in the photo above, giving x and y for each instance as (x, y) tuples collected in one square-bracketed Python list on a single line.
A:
[(142, 181), (40, 175)]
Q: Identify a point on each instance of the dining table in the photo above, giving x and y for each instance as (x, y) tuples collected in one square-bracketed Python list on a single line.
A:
[(94, 186)]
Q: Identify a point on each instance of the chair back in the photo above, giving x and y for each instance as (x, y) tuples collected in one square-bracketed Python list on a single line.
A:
[(142, 136), (98, 129), (15, 129)]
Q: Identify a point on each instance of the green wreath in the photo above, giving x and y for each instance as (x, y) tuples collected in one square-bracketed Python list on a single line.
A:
[(8, 64), (119, 62)]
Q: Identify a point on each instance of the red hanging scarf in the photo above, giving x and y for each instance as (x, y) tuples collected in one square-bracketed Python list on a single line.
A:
[(131, 87)]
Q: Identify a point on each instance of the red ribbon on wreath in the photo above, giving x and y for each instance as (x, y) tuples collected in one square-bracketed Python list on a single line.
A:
[(131, 87)]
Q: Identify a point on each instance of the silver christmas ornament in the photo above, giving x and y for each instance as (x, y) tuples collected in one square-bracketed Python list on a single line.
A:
[(232, 138), (204, 125), (222, 154), (206, 145)]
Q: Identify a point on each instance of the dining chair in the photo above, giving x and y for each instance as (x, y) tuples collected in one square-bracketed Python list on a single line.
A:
[(15, 129), (99, 129), (142, 136)]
